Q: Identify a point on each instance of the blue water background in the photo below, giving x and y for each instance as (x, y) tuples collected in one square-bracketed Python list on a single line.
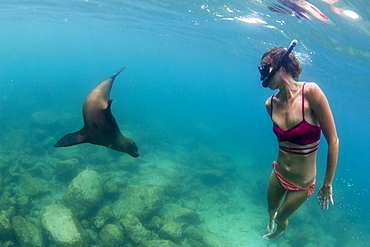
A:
[(191, 75)]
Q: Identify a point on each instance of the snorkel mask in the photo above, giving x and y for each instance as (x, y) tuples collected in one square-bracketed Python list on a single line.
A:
[(264, 68)]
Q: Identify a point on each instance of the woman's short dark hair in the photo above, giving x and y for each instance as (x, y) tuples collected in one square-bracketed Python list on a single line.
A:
[(290, 63)]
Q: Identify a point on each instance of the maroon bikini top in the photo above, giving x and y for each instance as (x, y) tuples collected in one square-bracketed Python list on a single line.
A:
[(301, 134)]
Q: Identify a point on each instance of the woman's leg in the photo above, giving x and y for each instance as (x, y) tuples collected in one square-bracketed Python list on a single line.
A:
[(275, 193), (293, 200)]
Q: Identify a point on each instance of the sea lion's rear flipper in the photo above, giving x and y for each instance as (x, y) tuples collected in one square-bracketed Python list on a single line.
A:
[(72, 139)]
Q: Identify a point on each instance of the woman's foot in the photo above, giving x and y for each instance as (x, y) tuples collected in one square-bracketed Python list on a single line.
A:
[(271, 225), (272, 235), (279, 230)]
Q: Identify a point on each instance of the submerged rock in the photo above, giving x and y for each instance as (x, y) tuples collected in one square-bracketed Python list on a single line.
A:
[(105, 214), (223, 196), (126, 163), (44, 117), (199, 237), (84, 193), (6, 230), (41, 170), (184, 216), (212, 177), (166, 178), (93, 237), (135, 230), (31, 186), (66, 170), (62, 227), (27, 233), (156, 223), (158, 243), (111, 235), (144, 202), (114, 185), (172, 231), (26, 161), (8, 244), (67, 153)]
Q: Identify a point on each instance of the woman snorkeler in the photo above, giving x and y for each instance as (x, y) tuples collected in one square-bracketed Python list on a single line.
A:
[(299, 112)]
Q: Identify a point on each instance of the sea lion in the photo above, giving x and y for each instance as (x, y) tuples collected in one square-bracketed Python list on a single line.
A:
[(100, 126)]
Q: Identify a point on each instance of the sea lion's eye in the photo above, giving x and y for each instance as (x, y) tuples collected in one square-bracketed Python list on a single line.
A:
[(95, 126)]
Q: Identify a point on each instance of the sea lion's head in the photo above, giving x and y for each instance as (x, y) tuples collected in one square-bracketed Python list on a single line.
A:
[(126, 145), (132, 149)]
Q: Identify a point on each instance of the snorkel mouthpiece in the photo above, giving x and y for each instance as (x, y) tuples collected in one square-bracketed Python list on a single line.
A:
[(266, 78)]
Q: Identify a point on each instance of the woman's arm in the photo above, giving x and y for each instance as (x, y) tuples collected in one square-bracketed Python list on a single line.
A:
[(321, 108)]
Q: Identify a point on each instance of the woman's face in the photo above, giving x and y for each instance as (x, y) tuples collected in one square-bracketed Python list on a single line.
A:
[(266, 63)]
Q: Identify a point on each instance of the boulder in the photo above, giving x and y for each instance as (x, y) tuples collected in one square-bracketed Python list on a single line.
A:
[(8, 244), (212, 177), (31, 186), (168, 179), (66, 170), (66, 153), (84, 193), (93, 237), (41, 170), (126, 163), (6, 230), (44, 117), (1, 182), (135, 230), (105, 214), (156, 223), (62, 227), (199, 237), (184, 216), (26, 161), (28, 234), (144, 202), (171, 231), (158, 243), (111, 235)]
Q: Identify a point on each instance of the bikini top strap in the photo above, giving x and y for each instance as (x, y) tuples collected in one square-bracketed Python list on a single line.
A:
[(303, 99)]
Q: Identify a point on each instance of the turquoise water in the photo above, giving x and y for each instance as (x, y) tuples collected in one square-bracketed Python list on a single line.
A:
[(190, 94)]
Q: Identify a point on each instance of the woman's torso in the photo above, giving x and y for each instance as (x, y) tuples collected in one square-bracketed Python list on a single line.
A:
[(298, 132)]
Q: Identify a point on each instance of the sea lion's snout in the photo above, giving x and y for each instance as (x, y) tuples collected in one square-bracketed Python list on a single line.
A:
[(133, 150), (135, 155)]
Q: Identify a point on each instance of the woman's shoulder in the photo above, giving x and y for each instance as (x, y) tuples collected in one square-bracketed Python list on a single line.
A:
[(311, 88), (313, 92), (309, 85), (268, 104), (268, 101)]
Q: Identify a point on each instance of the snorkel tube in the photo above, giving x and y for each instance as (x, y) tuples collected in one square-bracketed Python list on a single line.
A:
[(266, 80)]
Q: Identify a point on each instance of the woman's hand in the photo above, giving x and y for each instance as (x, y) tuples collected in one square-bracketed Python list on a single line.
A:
[(325, 195)]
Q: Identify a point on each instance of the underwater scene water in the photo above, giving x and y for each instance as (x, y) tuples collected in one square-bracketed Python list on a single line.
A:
[(191, 99)]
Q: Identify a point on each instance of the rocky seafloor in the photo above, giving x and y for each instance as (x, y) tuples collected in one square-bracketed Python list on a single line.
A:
[(50, 202), (90, 196), (179, 192)]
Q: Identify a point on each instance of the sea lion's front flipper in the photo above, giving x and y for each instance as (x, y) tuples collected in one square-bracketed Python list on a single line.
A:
[(72, 139), (111, 122), (108, 111)]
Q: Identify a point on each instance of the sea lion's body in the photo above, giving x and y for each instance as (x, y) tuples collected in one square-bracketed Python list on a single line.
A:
[(100, 126)]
